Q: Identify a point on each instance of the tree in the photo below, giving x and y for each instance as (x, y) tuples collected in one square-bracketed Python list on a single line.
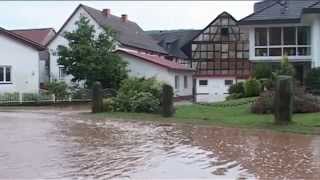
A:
[(90, 57)]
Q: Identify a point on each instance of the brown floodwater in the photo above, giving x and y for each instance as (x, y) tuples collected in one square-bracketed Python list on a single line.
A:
[(60, 143)]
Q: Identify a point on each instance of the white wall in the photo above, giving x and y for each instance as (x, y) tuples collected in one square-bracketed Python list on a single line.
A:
[(60, 40), (141, 68), (24, 62), (215, 91)]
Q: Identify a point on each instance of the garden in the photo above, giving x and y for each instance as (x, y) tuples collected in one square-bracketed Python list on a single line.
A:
[(257, 103)]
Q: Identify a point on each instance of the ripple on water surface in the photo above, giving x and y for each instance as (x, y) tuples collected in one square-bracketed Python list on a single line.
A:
[(63, 143)]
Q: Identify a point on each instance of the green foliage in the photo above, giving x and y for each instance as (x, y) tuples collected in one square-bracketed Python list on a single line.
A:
[(97, 99), (262, 71), (138, 95), (108, 105), (92, 58), (283, 102), (313, 80), (235, 96), (236, 88), (58, 88), (252, 88), (286, 68), (167, 101), (145, 102)]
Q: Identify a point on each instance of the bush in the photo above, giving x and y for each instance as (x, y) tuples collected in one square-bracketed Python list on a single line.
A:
[(58, 88), (167, 101), (286, 68), (252, 88), (138, 95), (264, 103), (236, 88), (313, 80), (108, 105), (145, 102), (235, 96), (262, 71), (302, 102)]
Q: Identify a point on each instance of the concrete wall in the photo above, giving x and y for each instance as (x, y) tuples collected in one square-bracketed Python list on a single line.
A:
[(24, 62), (141, 68)]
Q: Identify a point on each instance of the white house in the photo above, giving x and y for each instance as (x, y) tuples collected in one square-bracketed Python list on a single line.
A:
[(130, 37), (19, 63), (286, 27), (174, 74)]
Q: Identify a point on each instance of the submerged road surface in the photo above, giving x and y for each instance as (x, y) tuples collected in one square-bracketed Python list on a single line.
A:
[(63, 143)]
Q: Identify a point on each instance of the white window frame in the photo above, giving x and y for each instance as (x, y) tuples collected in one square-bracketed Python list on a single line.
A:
[(185, 82), (62, 74), (282, 46), (5, 74), (176, 82)]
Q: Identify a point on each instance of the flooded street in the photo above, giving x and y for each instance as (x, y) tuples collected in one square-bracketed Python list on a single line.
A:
[(63, 143)]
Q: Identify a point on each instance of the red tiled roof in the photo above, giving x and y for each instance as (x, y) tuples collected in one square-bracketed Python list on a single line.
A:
[(37, 35), (22, 39), (157, 60)]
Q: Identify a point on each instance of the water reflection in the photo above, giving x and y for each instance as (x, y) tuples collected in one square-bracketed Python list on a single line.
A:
[(65, 144)]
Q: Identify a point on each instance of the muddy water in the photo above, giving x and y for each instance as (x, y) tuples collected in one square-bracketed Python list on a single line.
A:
[(62, 143)]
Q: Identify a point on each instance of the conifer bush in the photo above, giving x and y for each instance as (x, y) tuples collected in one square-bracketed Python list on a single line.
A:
[(167, 101), (97, 98), (283, 102)]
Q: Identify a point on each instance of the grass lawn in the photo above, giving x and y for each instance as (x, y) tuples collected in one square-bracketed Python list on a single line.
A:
[(223, 114)]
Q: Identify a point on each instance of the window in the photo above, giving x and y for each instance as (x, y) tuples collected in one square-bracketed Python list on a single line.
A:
[(280, 41), (203, 82), (62, 72), (228, 82), (5, 74), (275, 36), (261, 36), (185, 79), (289, 36), (176, 82), (224, 31)]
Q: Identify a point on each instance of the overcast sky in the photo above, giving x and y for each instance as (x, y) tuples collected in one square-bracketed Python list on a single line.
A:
[(149, 15)]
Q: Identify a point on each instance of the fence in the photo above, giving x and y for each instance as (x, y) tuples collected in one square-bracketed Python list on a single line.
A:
[(42, 98)]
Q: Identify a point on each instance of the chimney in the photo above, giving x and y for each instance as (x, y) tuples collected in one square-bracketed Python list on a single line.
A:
[(106, 12), (124, 17)]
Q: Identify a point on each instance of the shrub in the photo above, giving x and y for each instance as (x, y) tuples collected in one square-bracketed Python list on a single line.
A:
[(286, 68), (97, 100), (145, 102), (167, 101), (252, 88), (138, 95), (313, 80), (236, 88), (283, 100), (235, 96), (262, 71), (108, 105), (264, 103), (58, 88)]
